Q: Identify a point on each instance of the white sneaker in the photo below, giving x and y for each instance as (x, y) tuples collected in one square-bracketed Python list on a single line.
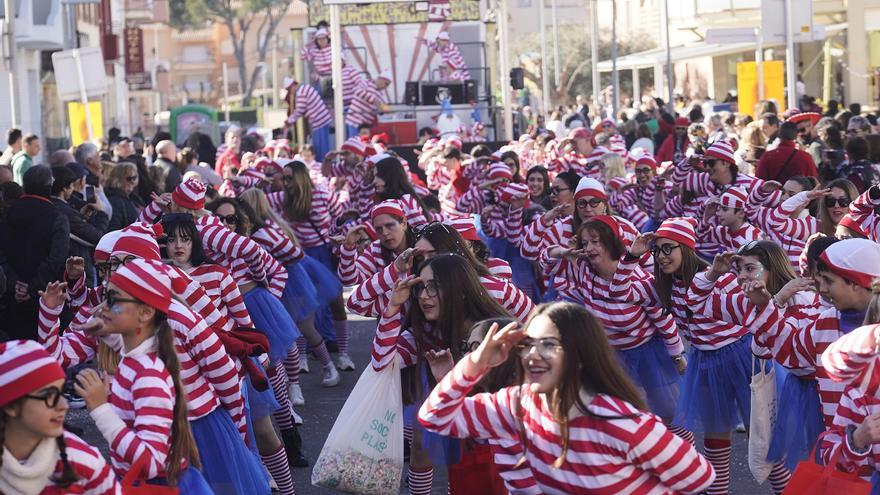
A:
[(294, 391), (303, 364), (344, 362), (331, 376), (296, 417)]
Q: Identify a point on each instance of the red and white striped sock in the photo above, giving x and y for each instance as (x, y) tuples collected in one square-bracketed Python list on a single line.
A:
[(407, 433), (291, 364), (322, 353), (302, 345), (280, 470), (341, 327), (683, 433), (283, 416), (717, 452), (779, 478), (420, 480)]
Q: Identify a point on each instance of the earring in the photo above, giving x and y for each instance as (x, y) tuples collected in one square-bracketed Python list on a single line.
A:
[(137, 330)]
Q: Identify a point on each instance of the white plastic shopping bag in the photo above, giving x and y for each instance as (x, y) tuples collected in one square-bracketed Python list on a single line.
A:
[(364, 452), (763, 417)]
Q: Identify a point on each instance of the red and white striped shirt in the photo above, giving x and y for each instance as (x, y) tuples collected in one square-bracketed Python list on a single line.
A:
[(781, 223), (96, 477), (768, 219), (308, 103), (314, 231), (321, 58), (371, 297), (628, 205), (452, 58), (223, 246), (704, 332), (137, 420), (223, 290), (614, 449), (364, 104), (355, 268), (862, 211), (276, 243), (351, 77), (580, 164), (730, 240)]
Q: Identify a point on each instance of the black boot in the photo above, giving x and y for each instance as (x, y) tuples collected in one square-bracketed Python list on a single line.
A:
[(293, 446)]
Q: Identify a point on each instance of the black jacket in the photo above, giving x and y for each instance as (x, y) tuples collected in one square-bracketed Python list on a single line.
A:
[(125, 210), (34, 242), (85, 232)]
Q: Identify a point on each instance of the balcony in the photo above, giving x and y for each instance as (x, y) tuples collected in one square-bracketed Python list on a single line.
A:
[(193, 35), (146, 11), (38, 24)]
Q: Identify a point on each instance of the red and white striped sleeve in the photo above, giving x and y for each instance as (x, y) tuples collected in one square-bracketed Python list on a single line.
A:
[(626, 287), (515, 301), (722, 299), (218, 238), (472, 201), (217, 367), (493, 223), (415, 217), (499, 268), (780, 220), (513, 467), (531, 244), (150, 214), (848, 356), (390, 341), (863, 212), (69, 349), (370, 297), (665, 325), (197, 299), (513, 226), (854, 407), (791, 346), (95, 474), (347, 268), (144, 391), (282, 248)]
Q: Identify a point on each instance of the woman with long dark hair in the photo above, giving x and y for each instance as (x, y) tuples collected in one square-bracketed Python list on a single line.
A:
[(715, 392), (41, 457), (391, 182), (538, 181), (445, 299), (576, 412)]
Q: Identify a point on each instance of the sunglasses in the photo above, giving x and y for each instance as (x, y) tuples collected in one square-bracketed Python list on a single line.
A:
[(665, 249), (748, 247), (229, 219), (432, 227), (429, 288), (546, 347), (555, 190), (593, 203), (132, 179), (643, 170), (841, 202), (51, 397)]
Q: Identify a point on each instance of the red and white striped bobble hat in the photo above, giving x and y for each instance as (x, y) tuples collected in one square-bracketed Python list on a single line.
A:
[(25, 367), (139, 240), (465, 226), (148, 281), (105, 246), (391, 207), (647, 159), (682, 230), (498, 171), (355, 145), (589, 188), (857, 260), (454, 141), (615, 183), (734, 197), (190, 195), (721, 150)]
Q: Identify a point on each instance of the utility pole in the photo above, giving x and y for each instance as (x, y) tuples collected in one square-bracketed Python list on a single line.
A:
[(504, 68), (545, 76), (336, 71), (594, 52), (615, 79), (555, 22), (669, 74), (9, 42), (790, 72)]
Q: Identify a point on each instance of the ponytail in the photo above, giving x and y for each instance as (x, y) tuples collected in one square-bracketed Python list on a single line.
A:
[(183, 446)]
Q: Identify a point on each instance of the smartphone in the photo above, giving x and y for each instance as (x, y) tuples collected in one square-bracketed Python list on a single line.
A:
[(92, 180), (90, 195)]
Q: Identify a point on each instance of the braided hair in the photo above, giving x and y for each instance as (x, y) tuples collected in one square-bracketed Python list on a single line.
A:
[(67, 477)]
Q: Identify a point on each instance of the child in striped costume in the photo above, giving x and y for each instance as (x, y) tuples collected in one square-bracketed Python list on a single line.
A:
[(38, 456), (609, 445)]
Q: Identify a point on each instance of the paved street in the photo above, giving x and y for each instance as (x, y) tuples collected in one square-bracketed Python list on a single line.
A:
[(322, 406)]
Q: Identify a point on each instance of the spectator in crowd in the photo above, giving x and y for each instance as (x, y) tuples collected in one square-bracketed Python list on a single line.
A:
[(770, 128), (88, 155), (9, 194), (858, 126), (87, 223), (857, 168), (5, 174), (166, 152), (13, 146), (34, 243), (786, 160), (188, 159), (123, 150), (644, 139), (60, 158), (24, 159), (121, 185)]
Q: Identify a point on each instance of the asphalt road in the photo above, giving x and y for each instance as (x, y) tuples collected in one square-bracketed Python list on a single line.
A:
[(323, 405)]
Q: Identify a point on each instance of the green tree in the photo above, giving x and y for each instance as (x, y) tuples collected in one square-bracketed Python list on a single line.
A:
[(575, 68), (239, 17)]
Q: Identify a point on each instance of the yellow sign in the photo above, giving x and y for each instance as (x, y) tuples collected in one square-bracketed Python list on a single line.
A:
[(79, 130), (747, 85)]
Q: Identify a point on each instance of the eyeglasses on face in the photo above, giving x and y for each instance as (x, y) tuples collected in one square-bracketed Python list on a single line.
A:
[(112, 299), (466, 347), (114, 263), (50, 396), (546, 347), (555, 190), (429, 288), (592, 203), (132, 179), (664, 249), (229, 219), (643, 170), (841, 202)]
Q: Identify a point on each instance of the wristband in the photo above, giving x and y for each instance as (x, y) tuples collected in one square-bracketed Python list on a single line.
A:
[(850, 440)]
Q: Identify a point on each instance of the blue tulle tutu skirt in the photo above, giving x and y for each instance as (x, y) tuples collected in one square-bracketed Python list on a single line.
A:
[(441, 449), (651, 368), (318, 263), (227, 464), (715, 392), (300, 296), (798, 421), (190, 482), (271, 318)]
